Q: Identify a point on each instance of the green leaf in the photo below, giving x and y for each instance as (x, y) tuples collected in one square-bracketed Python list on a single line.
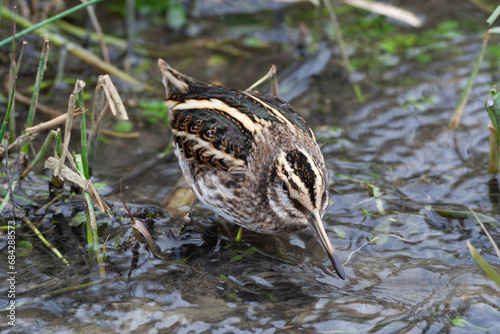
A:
[(423, 58), (379, 203), (78, 219), (236, 258), (465, 215), (24, 248), (249, 251), (124, 126), (482, 262), (176, 17), (460, 322), (217, 60), (364, 210), (7, 196)]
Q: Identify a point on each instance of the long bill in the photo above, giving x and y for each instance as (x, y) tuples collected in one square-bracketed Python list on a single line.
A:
[(317, 225)]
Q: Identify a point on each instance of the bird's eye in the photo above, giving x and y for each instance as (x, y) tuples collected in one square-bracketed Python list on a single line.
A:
[(284, 186)]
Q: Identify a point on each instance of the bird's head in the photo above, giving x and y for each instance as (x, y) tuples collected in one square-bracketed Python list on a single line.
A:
[(298, 192)]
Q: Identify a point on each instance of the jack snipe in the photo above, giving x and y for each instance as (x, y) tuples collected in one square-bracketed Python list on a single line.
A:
[(249, 157)]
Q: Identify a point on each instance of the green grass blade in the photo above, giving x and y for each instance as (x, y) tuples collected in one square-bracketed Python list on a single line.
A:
[(466, 215), (464, 96), (40, 154), (77, 50), (12, 93), (83, 136), (493, 16), (483, 264), (492, 106), (58, 143), (1, 6), (45, 242), (47, 21), (42, 65), (92, 233), (343, 49), (490, 238), (6, 198)]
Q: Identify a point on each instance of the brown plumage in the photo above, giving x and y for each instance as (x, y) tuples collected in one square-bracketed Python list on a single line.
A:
[(249, 157)]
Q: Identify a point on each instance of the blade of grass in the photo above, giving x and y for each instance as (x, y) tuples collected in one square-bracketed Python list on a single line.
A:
[(12, 93), (12, 71), (44, 56), (464, 96), (61, 60), (92, 233), (465, 215), (83, 137), (493, 160), (37, 26), (53, 293), (494, 16), (343, 49), (483, 264), (492, 106), (1, 6), (493, 243), (58, 143), (42, 238), (78, 51), (97, 27), (41, 153), (131, 31), (6, 198)]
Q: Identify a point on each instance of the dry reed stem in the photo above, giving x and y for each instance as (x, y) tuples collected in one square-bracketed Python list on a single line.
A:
[(67, 174), (104, 84), (388, 10), (97, 27), (53, 122), (40, 107), (18, 143), (79, 85)]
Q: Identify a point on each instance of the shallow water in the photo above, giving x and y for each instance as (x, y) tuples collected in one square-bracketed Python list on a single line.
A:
[(416, 276)]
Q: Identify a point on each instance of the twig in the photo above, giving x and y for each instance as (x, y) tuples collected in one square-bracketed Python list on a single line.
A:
[(97, 27), (40, 107), (271, 74), (67, 174), (79, 85), (53, 122), (18, 143), (388, 10)]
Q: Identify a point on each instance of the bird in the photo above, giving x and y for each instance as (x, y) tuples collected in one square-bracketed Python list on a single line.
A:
[(249, 157)]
